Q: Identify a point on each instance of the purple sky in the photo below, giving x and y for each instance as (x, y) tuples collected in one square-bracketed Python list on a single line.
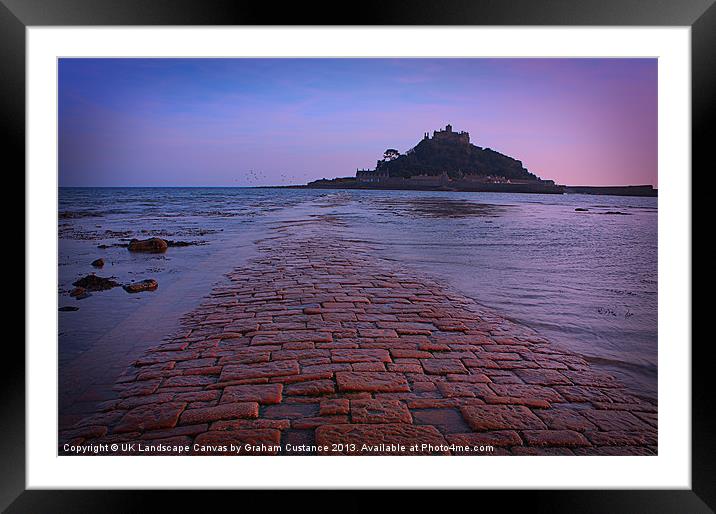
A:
[(245, 122)]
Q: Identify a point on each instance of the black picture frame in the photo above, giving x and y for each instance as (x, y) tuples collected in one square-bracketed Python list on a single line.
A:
[(17, 15)]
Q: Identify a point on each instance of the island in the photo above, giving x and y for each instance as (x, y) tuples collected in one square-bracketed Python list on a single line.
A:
[(448, 161)]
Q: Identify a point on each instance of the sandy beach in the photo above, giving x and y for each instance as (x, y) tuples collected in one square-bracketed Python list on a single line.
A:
[(317, 345)]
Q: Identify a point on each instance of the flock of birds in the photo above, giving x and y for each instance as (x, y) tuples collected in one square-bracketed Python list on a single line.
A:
[(259, 178)]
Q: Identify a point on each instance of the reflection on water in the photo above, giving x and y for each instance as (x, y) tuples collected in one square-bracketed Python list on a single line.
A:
[(438, 207), (585, 278)]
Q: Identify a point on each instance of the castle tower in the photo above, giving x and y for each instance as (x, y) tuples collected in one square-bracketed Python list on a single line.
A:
[(448, 128)]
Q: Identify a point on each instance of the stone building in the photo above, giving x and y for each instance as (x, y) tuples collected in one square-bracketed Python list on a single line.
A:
[(448, 135), (371, 176)]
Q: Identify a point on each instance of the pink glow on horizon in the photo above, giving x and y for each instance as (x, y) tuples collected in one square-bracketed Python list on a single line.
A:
[(268, 122)]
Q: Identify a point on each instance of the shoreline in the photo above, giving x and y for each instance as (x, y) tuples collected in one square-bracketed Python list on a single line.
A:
[(305, 346), (637, 191), (585, 190)]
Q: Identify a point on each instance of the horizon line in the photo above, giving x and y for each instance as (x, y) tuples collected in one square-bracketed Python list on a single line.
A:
[(301, 185)]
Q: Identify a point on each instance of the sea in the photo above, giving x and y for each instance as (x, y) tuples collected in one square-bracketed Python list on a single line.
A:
[(579, 269)]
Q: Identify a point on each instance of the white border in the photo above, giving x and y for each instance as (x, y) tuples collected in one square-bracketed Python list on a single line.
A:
[(672, 466)]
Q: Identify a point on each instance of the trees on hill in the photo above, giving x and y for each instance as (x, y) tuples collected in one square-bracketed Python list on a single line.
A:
[(391, 154), (433, 157)]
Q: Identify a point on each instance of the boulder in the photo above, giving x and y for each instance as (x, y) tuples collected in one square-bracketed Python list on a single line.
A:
[(145, 285), (98, 263), (152, 245), (95, 283)]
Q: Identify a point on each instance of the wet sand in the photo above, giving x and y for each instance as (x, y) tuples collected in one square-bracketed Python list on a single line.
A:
[(317, 341)]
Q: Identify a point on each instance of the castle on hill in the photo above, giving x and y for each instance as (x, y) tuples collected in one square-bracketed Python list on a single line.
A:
[(449, 136), (446, 156)]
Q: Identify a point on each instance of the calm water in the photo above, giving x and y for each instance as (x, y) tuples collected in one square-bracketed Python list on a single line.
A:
[(586, 280)]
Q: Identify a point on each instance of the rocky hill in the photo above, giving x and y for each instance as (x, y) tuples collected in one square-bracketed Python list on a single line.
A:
[(451, 152)]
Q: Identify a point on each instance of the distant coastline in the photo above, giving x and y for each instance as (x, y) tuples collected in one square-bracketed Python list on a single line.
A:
[(448, 161), (350, 183)]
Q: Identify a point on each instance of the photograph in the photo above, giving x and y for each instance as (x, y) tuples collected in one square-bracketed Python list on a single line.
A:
[(357, 256)]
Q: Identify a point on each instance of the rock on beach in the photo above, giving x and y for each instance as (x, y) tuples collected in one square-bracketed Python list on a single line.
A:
[(94, 283), (145, 285), (151, 245)]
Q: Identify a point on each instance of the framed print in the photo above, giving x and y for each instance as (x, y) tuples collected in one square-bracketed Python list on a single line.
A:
[(445, 250)]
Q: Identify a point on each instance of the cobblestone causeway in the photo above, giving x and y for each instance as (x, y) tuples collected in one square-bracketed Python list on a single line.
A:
[(319, 342)]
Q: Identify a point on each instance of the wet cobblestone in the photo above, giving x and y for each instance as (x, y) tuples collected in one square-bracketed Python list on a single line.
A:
[(316, 340)]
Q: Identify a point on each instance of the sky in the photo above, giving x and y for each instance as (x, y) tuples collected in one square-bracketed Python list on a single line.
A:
[(249, 122)]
